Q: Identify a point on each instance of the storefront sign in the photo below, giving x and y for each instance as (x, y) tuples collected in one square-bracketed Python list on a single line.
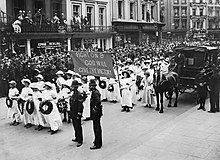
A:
[(49, 45), (93, 63)]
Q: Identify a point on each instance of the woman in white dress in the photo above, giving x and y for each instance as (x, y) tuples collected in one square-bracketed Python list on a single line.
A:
[(148, 98), (54, 118), (60, 80), (126, 82), (13, 112), (114, 91), (86, 103)]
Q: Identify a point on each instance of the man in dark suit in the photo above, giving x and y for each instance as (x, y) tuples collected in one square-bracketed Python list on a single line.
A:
[(214, 88), (76, 110), (96, 114)]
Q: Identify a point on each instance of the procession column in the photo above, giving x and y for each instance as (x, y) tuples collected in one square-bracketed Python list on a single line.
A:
[(69, 44), (28, 47)]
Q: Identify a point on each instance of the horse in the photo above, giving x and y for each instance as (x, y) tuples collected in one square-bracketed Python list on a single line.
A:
[(165, 83)]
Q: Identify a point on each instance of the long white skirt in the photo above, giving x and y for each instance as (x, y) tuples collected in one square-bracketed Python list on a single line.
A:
[(126, 98)]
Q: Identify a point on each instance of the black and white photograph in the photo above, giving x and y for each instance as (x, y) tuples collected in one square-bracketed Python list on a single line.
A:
[(109, 79)]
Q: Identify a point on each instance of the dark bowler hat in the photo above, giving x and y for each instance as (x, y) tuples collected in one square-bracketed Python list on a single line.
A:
[(92, 82), (75, 83)]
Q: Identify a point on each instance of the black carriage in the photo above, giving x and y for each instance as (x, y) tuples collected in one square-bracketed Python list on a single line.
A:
[(196, 58)]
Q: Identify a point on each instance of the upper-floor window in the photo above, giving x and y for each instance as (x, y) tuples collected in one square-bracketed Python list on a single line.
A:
[(90, 14), (162, 2), (18, 5), (184, 24), (201, 12), (38, 4), (120, 9), (194, 11), (183, 1), (183, 11), (176, 12), (217, 2), (101, 16), (210, 1), (176, 23), (56, 9), (143, 12), (210, 11), (176, 1), (76, 10), (201, 1), (131, 10)]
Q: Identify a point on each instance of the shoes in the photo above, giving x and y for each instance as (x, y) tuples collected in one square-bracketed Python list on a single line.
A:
[(204, 109), (217, 111), (37, 128), (95, 147), (64, 120), (199, 108), (53, 132), (69, 121), (29, 125), (50, 130), (78, 144), (211, 111), (127, 110), (40, 128), (13, 123), (74, 140), (16, 123), (123, 110)]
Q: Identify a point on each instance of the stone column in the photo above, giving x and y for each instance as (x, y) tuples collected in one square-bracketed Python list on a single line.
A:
[(28, 47), (69, 44)]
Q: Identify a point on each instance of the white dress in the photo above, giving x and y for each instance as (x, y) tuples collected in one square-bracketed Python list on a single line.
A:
[(133, 89), (126, 92), (86, 103), (54, 117), (39, 118), (26, 94), (59, 82), (115, 94), (13, 112), (148, 97)]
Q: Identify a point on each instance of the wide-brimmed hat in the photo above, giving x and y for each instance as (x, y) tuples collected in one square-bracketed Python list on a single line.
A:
[(49, 84), (40, 76), (77, 75), (59, 73), (25, 80), (75, 83), (70, 72), (34, 86), (125, 72), (13, 83), (92, 82)]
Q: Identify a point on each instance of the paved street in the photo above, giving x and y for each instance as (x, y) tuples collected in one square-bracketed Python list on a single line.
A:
[(181, 133)]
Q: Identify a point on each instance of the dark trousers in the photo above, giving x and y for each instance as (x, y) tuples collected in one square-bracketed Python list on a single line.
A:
[(78, 129), (97, 132), (214, 101)]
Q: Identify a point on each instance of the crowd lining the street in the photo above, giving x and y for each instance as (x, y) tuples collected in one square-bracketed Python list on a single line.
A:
[(33, 81)]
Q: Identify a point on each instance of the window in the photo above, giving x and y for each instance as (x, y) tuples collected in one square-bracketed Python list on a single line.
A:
[(184, 24), (120, 9), (183, 1), (194, 24), (89, 14), (176, 23), (194, 11), (201, 24), (176, 12), (201, 1), (176, 1), (131, 10), (217, 2), (162, 2), (56, 9), (101, 16), (210, 11), (184, 11), (38, 4), (210, 1), (201, 12), (18, 5), (143, 12)]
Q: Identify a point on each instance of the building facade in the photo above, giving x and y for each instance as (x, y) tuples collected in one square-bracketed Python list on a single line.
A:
[(177, 19), (136, 21), (92, 28)]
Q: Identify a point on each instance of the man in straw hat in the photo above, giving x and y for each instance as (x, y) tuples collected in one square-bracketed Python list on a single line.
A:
[(96, 114), (13, 112), (76, 111)]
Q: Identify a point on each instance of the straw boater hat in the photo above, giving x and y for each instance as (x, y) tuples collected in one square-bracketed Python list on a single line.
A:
[(75, 83), (13, 83), (70, 72), (34, 86), (59, 73), (25, 80), (49, 84), (40, 76)]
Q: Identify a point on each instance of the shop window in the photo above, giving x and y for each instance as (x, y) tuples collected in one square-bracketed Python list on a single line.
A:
[(120, 9), (131, 10)]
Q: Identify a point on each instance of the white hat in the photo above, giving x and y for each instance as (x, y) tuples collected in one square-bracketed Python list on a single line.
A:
[(59, 73), (70, 72), (13, 82), (49, 84), (40, 76), (25, 80), (78, 75), (34, 85)]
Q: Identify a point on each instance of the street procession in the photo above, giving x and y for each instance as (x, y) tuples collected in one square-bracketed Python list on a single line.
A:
[(135, 75)]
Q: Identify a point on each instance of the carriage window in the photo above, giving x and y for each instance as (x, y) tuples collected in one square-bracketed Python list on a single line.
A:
[(190, 61)]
